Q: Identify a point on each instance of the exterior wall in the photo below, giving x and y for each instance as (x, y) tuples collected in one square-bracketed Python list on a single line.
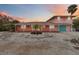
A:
[(68, 28), (62, 20), (55, 29), (28, 28), (46, 28), (20, 29)]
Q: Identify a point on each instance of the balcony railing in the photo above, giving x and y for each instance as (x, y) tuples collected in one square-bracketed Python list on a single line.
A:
[(64, 21)]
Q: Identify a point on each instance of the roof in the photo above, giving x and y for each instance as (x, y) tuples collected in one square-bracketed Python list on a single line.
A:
[(29, 23), (59, 16), (41, 23)]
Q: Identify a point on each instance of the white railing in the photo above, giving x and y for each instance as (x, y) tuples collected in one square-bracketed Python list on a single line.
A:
[(64, 21)]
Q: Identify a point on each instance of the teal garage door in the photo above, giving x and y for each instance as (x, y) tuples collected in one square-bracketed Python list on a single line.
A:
[(62, 28)]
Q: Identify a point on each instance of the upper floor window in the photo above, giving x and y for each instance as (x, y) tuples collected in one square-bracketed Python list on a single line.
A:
[(58, 18), (51, 26), (69, 18)]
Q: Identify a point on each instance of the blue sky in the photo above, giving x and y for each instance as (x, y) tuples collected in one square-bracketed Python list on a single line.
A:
[(25, 10), (35, 11)]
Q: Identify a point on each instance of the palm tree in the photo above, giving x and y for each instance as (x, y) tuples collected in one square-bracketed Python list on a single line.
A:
[(72, 9)]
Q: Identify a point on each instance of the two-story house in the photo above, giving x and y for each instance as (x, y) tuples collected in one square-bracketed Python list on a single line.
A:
[(54, 24)]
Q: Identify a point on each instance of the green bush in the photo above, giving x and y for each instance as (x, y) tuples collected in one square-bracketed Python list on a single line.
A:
[(8, 26), (76, 24)]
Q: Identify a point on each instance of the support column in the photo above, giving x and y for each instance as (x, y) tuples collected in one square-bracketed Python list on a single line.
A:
[(71, 29), (15, 28)]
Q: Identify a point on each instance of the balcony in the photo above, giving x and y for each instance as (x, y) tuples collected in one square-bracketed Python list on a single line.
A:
[(64, 21)]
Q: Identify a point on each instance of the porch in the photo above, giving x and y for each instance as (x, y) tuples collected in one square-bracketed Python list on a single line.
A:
[(34, 26)]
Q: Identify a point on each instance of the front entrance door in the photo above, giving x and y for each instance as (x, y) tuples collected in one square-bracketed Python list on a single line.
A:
[(62, 28)]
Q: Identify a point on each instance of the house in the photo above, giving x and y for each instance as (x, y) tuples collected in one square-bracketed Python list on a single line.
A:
[(54, 24), (62, 23), (29, 26)]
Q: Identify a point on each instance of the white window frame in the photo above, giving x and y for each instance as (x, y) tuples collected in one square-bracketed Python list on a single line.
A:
[(69, 18), (59, 18), (23, 26), (51, 26)]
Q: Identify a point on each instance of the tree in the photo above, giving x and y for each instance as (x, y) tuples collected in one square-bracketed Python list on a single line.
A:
[(7, 25), (72, 9), (36, 27), (15, 21), (12, 25), (76, 24)]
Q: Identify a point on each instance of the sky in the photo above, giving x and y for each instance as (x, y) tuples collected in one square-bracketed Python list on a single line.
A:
[(35, 12)]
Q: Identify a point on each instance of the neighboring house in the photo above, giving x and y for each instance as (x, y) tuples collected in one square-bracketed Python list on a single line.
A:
[(54, 24)]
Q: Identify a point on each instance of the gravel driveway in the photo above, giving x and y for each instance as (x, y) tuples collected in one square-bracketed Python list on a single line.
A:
[(12, 43)]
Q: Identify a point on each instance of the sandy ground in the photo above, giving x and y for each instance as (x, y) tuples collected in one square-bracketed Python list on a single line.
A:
[(45, 44)]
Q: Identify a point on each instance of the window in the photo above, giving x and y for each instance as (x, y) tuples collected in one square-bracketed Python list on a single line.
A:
[(27, 25), (69, 18), (52, 26), (43, 26), (23, 26), (58, 18), (18, 25), (46, 25)]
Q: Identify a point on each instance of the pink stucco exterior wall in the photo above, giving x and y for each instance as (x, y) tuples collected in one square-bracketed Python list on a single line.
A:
[(68, 29), (63, 21)]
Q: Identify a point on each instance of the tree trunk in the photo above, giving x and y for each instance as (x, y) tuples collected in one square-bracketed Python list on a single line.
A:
[(72, 23)]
